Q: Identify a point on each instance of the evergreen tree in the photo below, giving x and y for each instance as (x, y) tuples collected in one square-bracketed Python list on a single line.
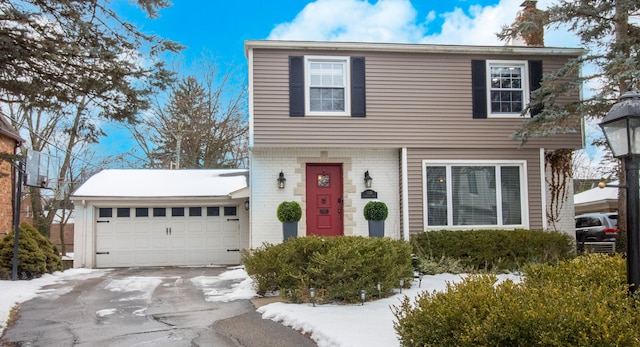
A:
[(203, 124), (53, 51), (609, 31)]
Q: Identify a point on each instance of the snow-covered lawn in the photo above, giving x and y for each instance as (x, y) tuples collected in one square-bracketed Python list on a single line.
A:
[(370, 324)]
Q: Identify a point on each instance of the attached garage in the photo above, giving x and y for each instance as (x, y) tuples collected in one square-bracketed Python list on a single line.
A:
[(128, 218)]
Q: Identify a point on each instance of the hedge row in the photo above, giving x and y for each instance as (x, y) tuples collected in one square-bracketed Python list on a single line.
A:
[(497, 250), (581, 302), (337, 267)]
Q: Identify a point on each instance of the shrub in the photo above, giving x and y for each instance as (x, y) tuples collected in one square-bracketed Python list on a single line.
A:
[(289, 211), (375, 210), (579, 302), (337, 267), (36, 254), (495, 250)]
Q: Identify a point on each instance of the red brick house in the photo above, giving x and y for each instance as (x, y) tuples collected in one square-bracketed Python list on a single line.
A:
[(10, 140)]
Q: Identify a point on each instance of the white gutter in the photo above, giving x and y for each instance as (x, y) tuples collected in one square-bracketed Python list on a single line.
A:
[(543, 188), (406, 47)]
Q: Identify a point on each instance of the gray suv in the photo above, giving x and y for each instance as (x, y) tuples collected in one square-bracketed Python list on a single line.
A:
[(596, 227)]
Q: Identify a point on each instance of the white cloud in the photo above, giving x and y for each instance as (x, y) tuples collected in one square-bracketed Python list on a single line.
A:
[(397, 21), (353, 20)]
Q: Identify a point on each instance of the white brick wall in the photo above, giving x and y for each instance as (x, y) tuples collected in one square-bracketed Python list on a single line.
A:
[(566, 222), (266, 164)]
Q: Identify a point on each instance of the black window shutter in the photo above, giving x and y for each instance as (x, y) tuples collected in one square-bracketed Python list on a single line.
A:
[(358, 91), (479, 88), (535, 80), (296, 86)]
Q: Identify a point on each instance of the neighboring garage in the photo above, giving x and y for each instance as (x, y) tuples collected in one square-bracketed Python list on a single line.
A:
[(128, 218)]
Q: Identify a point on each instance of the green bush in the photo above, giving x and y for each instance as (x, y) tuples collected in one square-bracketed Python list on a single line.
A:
[(579, 302), (494, 250), (337, 267), (289, 211), (375, 210), (36, 254)]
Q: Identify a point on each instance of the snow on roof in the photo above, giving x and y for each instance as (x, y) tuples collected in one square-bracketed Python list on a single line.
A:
[(596, 194), (163, 183)]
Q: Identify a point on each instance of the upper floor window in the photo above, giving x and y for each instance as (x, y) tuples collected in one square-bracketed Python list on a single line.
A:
[(508, 83), (326, 83), (501, 88), (327, 86)]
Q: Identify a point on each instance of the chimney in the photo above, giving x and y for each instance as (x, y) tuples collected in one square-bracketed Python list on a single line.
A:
[(530, 13)]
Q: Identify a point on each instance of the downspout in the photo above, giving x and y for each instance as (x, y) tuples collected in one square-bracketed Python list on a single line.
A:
[(543, 188), (405, 195)]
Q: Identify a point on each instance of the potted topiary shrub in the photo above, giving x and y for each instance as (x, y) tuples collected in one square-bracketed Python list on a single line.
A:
[(376, 212), (289, 213)]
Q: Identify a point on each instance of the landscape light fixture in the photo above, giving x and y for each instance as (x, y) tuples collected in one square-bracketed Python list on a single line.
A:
[(401, 284), (367, 180), (312, 295), (281, 180), (621, 128), (363, 295), (379, 287)]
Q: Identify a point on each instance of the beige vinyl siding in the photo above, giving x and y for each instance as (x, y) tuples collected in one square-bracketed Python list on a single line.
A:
[(413, 100), (415, 156)]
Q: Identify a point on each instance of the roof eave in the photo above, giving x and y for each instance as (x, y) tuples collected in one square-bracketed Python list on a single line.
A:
[(409, 47)]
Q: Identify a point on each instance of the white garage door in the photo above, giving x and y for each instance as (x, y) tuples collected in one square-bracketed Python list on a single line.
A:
[(167, 236)]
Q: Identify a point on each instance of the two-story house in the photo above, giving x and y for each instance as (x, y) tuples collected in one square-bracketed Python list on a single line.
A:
[(431, 124)]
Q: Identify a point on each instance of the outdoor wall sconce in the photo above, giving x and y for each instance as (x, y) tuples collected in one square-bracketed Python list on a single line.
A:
[(281, 180), (363, 295), (312, 295), (246, 204), (367, 180)]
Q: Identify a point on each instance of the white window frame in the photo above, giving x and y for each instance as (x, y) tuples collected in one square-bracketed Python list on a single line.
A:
[(345, 60), (524, 65), (524, 193)]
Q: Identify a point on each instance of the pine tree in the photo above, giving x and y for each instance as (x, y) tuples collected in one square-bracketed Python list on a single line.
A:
[(609, 31), (52, 52)]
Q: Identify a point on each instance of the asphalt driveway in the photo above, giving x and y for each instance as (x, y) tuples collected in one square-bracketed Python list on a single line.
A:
[(145, 307)]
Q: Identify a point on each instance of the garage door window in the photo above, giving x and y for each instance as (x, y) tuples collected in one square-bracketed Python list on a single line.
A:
[(142, 212), (213, 211), (230, 211), (177, 212), (105, 212), (195, 211), (159, 212), (124, 212)]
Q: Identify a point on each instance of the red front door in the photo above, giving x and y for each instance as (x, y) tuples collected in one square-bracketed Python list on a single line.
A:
[(324, 199)]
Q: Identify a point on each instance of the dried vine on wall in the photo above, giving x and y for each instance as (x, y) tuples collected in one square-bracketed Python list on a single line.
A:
[(559, 163)]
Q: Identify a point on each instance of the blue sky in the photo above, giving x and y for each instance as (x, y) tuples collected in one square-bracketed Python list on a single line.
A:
[(219, 28)]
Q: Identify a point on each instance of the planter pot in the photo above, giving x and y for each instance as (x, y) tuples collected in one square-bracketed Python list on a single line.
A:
[(289, 229), (376, 228)]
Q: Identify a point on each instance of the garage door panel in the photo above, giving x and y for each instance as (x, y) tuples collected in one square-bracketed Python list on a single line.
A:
[(165, 240)]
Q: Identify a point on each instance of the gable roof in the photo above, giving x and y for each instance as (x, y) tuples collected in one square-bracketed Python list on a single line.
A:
[(153, 183)]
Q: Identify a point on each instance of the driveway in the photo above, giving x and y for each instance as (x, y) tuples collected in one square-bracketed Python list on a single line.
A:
[(145, 307)]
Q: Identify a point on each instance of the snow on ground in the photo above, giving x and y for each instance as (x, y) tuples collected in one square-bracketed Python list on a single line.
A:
[(328, 325)]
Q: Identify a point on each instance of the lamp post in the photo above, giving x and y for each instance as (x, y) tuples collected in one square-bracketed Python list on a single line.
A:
[(621, 127)]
